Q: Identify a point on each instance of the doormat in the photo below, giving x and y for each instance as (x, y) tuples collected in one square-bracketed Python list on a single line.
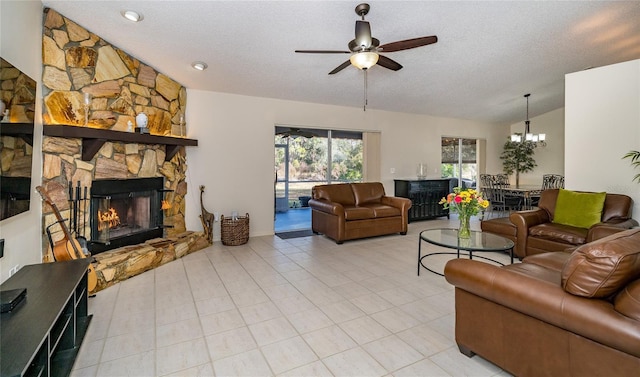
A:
[(295, 234)]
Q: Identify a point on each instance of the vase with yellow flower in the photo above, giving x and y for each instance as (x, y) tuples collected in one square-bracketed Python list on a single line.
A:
[(466, 203)]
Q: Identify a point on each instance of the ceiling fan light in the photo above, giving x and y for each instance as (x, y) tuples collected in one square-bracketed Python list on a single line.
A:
[(131, 15), (364, 59)]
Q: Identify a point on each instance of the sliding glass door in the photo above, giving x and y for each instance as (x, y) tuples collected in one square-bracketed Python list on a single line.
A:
[(459, 160), (308, 157)]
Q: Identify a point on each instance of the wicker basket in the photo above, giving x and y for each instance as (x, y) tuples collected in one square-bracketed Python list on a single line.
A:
[(234, 232)]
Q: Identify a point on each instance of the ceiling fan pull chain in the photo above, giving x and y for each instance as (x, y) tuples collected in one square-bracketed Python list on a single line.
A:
[(365, 90)]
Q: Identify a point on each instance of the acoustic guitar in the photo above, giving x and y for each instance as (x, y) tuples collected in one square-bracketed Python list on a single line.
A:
[(68, 248)]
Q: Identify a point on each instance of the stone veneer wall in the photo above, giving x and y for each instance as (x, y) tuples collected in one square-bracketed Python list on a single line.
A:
[(76, 61), (18, 92), (15, 155)]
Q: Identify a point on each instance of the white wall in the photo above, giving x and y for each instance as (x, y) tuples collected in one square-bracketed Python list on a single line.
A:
[(234, 158), (550, 159), (602, 123), (20, 44)]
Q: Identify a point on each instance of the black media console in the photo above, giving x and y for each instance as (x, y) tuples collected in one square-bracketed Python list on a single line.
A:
[(42, 335), (425, 195)]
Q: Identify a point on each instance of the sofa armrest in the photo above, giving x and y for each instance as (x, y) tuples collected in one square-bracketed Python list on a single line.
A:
[(622, 223), (607, 228), (595, 319), (523, 220), (402, 203), (326, 206)]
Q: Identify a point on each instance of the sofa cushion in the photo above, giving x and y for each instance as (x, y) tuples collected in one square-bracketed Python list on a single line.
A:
[(357, 213), (370, 192), (627, 302), (560, 233), (579, 209), (339, 193), (603, 267), (381, 210), (554, 261)]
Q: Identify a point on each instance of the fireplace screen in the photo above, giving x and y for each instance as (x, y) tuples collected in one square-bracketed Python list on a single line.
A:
[(117, 217), (125, 212)]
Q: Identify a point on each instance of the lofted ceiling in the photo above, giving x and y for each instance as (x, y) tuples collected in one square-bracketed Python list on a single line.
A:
[(489, 53)]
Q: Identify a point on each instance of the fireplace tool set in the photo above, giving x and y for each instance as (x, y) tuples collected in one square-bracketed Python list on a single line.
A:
[(78, 208)]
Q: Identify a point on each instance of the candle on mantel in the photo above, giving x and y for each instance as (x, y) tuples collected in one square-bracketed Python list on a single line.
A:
[(87, 99)]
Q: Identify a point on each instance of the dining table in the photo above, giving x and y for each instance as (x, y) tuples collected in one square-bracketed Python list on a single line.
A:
[(525, 192)]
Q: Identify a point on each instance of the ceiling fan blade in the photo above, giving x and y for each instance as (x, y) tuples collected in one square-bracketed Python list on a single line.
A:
[(363, 35), (408, 43), (391, 64), (323, 52), (340, 67)]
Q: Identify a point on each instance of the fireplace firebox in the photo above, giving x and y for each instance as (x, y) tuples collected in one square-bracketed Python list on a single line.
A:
[(125, 212)]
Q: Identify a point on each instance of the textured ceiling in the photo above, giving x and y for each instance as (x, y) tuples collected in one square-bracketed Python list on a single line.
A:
[(489, 53)]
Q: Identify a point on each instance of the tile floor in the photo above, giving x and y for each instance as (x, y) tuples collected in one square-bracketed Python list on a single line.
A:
[(273, 307)]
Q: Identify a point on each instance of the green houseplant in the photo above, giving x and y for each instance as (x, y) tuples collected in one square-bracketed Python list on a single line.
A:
[(517, 157), (635, 162)]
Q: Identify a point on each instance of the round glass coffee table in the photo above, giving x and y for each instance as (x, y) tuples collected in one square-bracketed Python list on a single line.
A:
[(448, 238)]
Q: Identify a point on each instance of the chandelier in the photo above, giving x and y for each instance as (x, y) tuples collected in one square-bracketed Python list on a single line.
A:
[(539, 139)]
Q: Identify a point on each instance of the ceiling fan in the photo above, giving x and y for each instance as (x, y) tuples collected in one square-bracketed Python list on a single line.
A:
[(366, 50), (294, 132)]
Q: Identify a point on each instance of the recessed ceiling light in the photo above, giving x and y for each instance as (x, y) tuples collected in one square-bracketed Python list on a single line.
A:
[(200, 66), (131, 15)]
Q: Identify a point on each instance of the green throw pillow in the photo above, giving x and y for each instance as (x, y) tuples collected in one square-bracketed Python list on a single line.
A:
[(579, 209)]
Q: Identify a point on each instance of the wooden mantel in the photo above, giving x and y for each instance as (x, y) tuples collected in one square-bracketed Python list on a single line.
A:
[(94, 138)]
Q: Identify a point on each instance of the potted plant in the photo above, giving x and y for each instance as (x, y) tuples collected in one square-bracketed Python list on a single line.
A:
[(517, 157), (635, 162)]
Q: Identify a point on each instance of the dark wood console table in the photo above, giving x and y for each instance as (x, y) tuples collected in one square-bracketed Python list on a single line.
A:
[(425, 195), (43, 334)]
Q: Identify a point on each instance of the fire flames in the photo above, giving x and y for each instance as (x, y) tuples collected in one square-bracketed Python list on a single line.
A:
[(108, 219)]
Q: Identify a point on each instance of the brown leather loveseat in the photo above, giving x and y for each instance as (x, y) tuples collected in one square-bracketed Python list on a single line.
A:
[(555, 314), (538, 233), (348, 211)]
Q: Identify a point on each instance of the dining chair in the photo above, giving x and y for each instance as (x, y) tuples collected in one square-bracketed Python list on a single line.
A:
[(500, 201), (549, 181), (485, 191)]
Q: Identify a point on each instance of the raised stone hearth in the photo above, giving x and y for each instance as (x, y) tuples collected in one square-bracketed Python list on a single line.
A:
[(120, 264)]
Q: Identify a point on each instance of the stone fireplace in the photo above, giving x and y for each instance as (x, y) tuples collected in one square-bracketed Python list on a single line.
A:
[(92, 92)]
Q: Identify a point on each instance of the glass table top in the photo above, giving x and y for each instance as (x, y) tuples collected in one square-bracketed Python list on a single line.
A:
[(478, 241)]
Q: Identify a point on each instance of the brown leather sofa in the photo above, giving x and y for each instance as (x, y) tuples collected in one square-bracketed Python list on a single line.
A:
[(555, 314), (348, 211), (536, 233)]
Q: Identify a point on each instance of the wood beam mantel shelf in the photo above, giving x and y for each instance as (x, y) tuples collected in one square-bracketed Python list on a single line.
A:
[(22, 130), (94, 138)]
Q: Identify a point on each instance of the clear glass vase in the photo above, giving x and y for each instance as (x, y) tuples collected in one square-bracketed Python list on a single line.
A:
[(464, 231)]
